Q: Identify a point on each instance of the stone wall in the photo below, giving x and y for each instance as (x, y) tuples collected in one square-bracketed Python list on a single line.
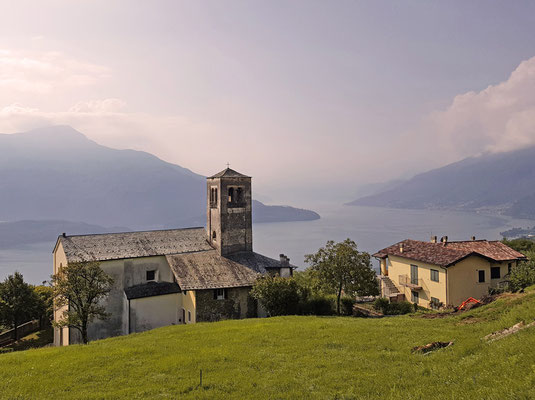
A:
[(237, 304)]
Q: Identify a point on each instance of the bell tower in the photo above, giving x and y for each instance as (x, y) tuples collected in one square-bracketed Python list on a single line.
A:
[(229, 223)]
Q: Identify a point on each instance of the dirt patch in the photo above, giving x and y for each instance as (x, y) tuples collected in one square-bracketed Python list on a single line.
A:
[(427, 348), (491, 337)]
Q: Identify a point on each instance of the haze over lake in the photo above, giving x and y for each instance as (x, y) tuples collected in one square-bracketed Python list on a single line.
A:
[(372, 228)]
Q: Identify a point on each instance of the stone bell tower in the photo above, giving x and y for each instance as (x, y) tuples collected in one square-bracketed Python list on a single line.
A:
[(229, 223)]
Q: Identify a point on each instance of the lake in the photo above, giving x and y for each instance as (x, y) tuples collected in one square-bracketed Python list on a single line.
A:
[(372, 228)]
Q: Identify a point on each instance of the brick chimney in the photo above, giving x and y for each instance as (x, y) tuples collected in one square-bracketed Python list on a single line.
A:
[(433, 239), (285, 261), (401, 247), (473, 238), (444, 239)]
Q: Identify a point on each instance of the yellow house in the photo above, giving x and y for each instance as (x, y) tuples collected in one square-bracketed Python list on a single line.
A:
[(433, 274)]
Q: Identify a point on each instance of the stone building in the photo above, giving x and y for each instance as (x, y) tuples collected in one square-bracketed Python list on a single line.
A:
[(177, 276)]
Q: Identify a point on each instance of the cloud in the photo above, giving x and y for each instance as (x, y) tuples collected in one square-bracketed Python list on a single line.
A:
[(498, 118), (42, 72)]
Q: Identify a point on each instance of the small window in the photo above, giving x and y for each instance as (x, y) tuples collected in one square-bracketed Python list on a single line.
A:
[(214, 235), (189, 316), (481, 276), (434, 303), (509, 268), (495, 273), (151, 275), (213, 197), (219, 294), (434, 275), (414, 296), (231, 195), (239, 195)]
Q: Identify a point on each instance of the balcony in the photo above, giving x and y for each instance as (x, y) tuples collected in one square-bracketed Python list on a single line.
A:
[(413, 284)]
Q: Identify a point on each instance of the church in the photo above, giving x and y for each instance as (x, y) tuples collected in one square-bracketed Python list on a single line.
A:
[(177, 276)]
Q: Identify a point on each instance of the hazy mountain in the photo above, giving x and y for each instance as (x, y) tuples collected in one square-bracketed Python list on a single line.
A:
[(16, 235), (504, 182), (56, 173)]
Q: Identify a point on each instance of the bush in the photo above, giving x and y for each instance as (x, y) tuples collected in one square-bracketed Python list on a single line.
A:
[(347, 305), (279, 296), (387, 308), (318, 305)]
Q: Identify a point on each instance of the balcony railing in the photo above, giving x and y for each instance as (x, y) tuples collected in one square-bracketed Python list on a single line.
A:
[(414, 284)]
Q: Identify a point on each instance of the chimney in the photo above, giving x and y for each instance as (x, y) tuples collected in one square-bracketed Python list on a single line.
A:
[(401, 247), (444, 239), (473, 238), (285, 261), (433, 239), (64, 234)]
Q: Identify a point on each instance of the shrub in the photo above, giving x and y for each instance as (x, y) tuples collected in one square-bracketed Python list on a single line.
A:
[(522, 276), (403, 307), (347, 305), (317, 305), (279, 296)]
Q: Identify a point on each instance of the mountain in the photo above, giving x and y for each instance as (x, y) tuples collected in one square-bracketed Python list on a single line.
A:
[(503, 182), (56, 173), (19, 234)]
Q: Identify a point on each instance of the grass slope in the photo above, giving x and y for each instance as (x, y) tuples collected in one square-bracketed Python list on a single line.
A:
[(292, 357)]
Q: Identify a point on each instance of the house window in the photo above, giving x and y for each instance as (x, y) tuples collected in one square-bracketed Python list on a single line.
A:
[(189, 316), (151, 275), (495, 273), (220, 294), (214, 235), (481, 276), (434, 275), (231, 195), (434, 303), (414, 296), (509, 268)]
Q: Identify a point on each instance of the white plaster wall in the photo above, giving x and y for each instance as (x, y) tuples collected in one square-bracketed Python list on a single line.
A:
[(153, 312)]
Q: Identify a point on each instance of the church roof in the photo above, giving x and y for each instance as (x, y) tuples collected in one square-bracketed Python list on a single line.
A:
[(116, 246), (209, 270), (228, 173), (150, 289)]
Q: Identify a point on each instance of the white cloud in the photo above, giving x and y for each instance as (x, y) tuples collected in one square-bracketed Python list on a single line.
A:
[(498, 118), (43, 72)]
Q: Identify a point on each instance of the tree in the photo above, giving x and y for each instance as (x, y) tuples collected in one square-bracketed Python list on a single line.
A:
[(18, 302), (81, 287), (45, 304), (279, 296), (340, 267), (523, 275)]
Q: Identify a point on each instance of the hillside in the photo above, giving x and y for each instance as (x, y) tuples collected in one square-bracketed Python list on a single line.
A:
[(293, 357), (502, 181), (57, 173)]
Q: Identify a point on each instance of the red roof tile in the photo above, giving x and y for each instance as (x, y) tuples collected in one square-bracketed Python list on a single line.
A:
[(447, 254)]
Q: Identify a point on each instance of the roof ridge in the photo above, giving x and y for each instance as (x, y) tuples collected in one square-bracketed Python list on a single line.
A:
[(120, 233)]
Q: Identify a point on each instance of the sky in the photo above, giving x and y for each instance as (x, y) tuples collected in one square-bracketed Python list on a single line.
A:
[(311, 98)]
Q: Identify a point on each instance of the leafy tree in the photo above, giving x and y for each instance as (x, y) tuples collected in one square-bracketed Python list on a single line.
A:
[(18, 302), (279, 296), (341, 268), (45, 304), (81, 287), (523, 275), (522, 245)]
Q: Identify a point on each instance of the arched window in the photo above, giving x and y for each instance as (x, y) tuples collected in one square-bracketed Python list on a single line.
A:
[(231, 195), (214, 235), (239, 195)]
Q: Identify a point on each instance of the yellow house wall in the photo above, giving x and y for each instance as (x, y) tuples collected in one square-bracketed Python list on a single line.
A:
[(402, 266), (59, 261), (463, 278), (189, 303), (156, 311)]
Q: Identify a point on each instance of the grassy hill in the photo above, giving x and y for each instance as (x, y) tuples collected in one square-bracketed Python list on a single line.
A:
[(293, 357)]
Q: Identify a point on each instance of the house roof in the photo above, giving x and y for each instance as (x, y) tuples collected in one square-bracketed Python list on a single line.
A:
[(116, 246), (151, 289), (447, 254), (228, 173), (209, 270)]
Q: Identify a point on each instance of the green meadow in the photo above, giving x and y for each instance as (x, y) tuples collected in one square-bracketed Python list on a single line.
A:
[(292, 358)]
